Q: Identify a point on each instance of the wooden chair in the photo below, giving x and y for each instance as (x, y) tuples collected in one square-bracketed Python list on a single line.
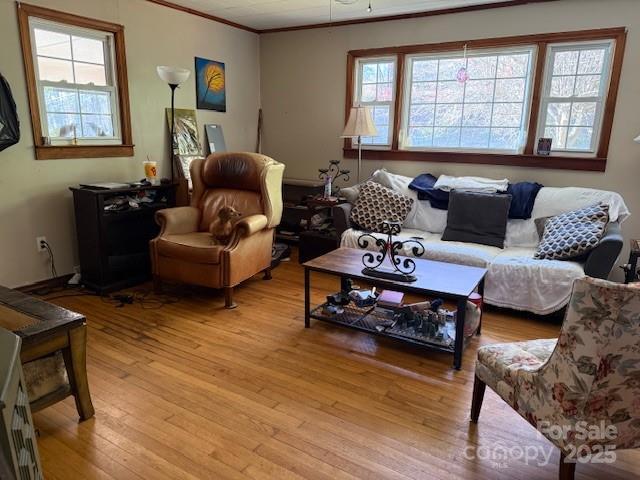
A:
[(588, 377)]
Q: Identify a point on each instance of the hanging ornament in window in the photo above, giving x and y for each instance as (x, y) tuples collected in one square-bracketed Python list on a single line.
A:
[(463, 74)]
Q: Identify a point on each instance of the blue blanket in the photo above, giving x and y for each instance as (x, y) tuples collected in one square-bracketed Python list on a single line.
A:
[(423, 184), (523, 195)]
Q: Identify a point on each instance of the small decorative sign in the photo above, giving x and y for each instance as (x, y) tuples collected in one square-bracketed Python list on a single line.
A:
[(398, 269)]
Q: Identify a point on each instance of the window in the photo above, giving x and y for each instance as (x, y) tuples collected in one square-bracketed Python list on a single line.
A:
[(575, 90), (487, 112), (78, 93), (76, 87), (376, 89), (515, 91)]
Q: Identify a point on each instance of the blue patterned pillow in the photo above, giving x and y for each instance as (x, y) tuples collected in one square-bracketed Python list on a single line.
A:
[(573, 234)]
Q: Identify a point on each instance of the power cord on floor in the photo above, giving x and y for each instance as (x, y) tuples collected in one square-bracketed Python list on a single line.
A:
[(54, 272), (75, 291), (146, 299), (52, 258)]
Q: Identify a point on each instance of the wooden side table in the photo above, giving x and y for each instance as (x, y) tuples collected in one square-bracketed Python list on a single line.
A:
[(314, 243), (319, 203), (46, 329)]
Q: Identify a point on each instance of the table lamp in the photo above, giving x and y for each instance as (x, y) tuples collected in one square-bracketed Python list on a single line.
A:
[(637, 139), (174, 76), (360, 124)]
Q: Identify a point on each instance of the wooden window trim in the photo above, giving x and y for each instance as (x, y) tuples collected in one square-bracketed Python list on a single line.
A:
[(48, 152), (527, 159)]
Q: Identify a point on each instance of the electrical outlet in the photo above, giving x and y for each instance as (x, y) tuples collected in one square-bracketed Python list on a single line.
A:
[(40, 244)]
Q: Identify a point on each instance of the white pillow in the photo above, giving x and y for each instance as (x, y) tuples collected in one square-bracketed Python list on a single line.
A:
[(352, 193), (553, 201), (422, 215)]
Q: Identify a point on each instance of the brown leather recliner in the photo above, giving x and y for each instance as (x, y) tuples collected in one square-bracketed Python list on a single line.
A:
[(184, 249)]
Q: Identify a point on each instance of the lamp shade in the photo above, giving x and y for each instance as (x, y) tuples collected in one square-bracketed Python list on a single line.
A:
[(360, 124), (637, 139), (173, 75)]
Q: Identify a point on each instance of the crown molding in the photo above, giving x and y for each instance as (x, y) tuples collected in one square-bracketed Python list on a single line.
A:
[(404, 16), (408, 16), (208, 16)]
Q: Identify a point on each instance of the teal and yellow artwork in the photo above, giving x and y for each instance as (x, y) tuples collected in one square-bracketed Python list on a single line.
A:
[(210, 85)]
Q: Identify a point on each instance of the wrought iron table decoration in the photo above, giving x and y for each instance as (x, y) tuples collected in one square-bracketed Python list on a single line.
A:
[(397, 269), (330, 175)]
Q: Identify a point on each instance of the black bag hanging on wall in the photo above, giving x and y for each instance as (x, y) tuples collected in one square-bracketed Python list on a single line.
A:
[(9, 123)]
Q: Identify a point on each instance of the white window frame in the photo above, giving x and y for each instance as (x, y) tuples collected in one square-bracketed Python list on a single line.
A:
[(359, 65), (107, 38), (600, 101), (527, 103)]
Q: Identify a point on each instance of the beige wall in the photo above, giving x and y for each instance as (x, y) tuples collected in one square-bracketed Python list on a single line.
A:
[(34, 195), (304, 75)]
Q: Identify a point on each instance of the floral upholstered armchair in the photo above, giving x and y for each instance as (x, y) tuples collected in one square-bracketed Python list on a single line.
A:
[(588, 380)]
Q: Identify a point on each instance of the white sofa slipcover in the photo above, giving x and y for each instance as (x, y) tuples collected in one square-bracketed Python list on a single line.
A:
[(514, 278)]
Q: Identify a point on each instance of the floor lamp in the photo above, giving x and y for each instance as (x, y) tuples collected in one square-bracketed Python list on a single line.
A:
[(174, 76), (360, 124)]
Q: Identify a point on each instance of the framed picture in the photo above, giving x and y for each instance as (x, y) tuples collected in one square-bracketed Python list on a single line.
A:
[(544, 146), (183, 163), (187, 141), (215, 138), (211, 91)]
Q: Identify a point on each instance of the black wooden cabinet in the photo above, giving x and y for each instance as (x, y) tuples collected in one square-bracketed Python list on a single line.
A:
[(314, 244), (113, 243), (295, 214)]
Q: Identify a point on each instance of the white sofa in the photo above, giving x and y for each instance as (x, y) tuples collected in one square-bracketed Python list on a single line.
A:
[(515, 279)]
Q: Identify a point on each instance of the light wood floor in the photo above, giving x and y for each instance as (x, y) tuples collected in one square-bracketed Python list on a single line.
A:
[(192, 391)]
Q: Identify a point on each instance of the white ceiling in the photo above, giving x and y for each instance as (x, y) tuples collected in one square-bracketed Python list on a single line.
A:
[(265, 14)]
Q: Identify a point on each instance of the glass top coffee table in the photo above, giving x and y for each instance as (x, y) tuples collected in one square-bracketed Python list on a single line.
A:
[(433, 280)]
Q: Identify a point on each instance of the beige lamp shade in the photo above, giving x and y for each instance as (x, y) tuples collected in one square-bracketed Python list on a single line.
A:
[(637, 139), (360, 124)]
